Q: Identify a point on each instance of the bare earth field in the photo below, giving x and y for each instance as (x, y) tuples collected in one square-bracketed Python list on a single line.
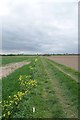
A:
[(9, 68), (70, 61)]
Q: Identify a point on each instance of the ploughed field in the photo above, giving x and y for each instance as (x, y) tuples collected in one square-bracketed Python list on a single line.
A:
[(68, 60), (42, 88)]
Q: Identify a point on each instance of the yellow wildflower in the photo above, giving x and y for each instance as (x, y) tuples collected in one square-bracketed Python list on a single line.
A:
[(9, 96), (36, 60), (4, 115), (20, 78), (9, 113), (15, 95), (16, 103)]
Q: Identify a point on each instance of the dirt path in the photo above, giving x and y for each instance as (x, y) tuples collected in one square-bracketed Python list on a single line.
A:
[(9, 68), (60, 93)]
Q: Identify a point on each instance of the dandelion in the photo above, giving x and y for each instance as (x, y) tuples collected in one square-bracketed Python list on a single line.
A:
[(20, 78), (15, 96), (11, 101), (16, 103), (28, 76), (25, 82), (9, 113), (4, 115), (30, 67), (36, 60), (9, 96)]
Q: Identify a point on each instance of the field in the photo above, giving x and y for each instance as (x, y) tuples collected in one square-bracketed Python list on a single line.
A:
[(41, 89), (70, 61), (12, 59)]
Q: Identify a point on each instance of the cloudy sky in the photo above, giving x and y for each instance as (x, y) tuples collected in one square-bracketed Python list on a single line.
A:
[(39, 26)]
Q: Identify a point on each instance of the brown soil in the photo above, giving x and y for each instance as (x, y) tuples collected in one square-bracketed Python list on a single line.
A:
[(70, 61), (9, 68)]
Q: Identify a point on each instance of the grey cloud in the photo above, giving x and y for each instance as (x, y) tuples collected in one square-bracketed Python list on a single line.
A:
[(44, 27)]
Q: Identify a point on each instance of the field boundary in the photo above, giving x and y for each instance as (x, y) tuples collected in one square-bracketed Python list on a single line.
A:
[(65, 72), (68, 61)]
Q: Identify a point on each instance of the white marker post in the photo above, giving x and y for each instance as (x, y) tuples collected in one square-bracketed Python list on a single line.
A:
[(33, 109)]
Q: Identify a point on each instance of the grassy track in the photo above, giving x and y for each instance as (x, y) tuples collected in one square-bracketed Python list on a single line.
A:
[(56, 94), (66, 88), (42, 98), (69, 71)]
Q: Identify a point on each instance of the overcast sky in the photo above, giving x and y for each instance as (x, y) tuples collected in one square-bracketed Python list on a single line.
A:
[(34, 26)]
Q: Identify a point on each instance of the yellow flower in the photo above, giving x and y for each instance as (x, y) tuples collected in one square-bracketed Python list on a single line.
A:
[(4, 115), (11, 101), (27, 76), (9, 96), (30, 67), (26, 85), (26, 91), (9, 113), (36, 60), (25, 82), (20, 78), (9, 104), (16, 103), (15, 95)]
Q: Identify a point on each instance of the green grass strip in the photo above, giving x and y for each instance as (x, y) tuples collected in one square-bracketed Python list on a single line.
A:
[(43, 98)]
